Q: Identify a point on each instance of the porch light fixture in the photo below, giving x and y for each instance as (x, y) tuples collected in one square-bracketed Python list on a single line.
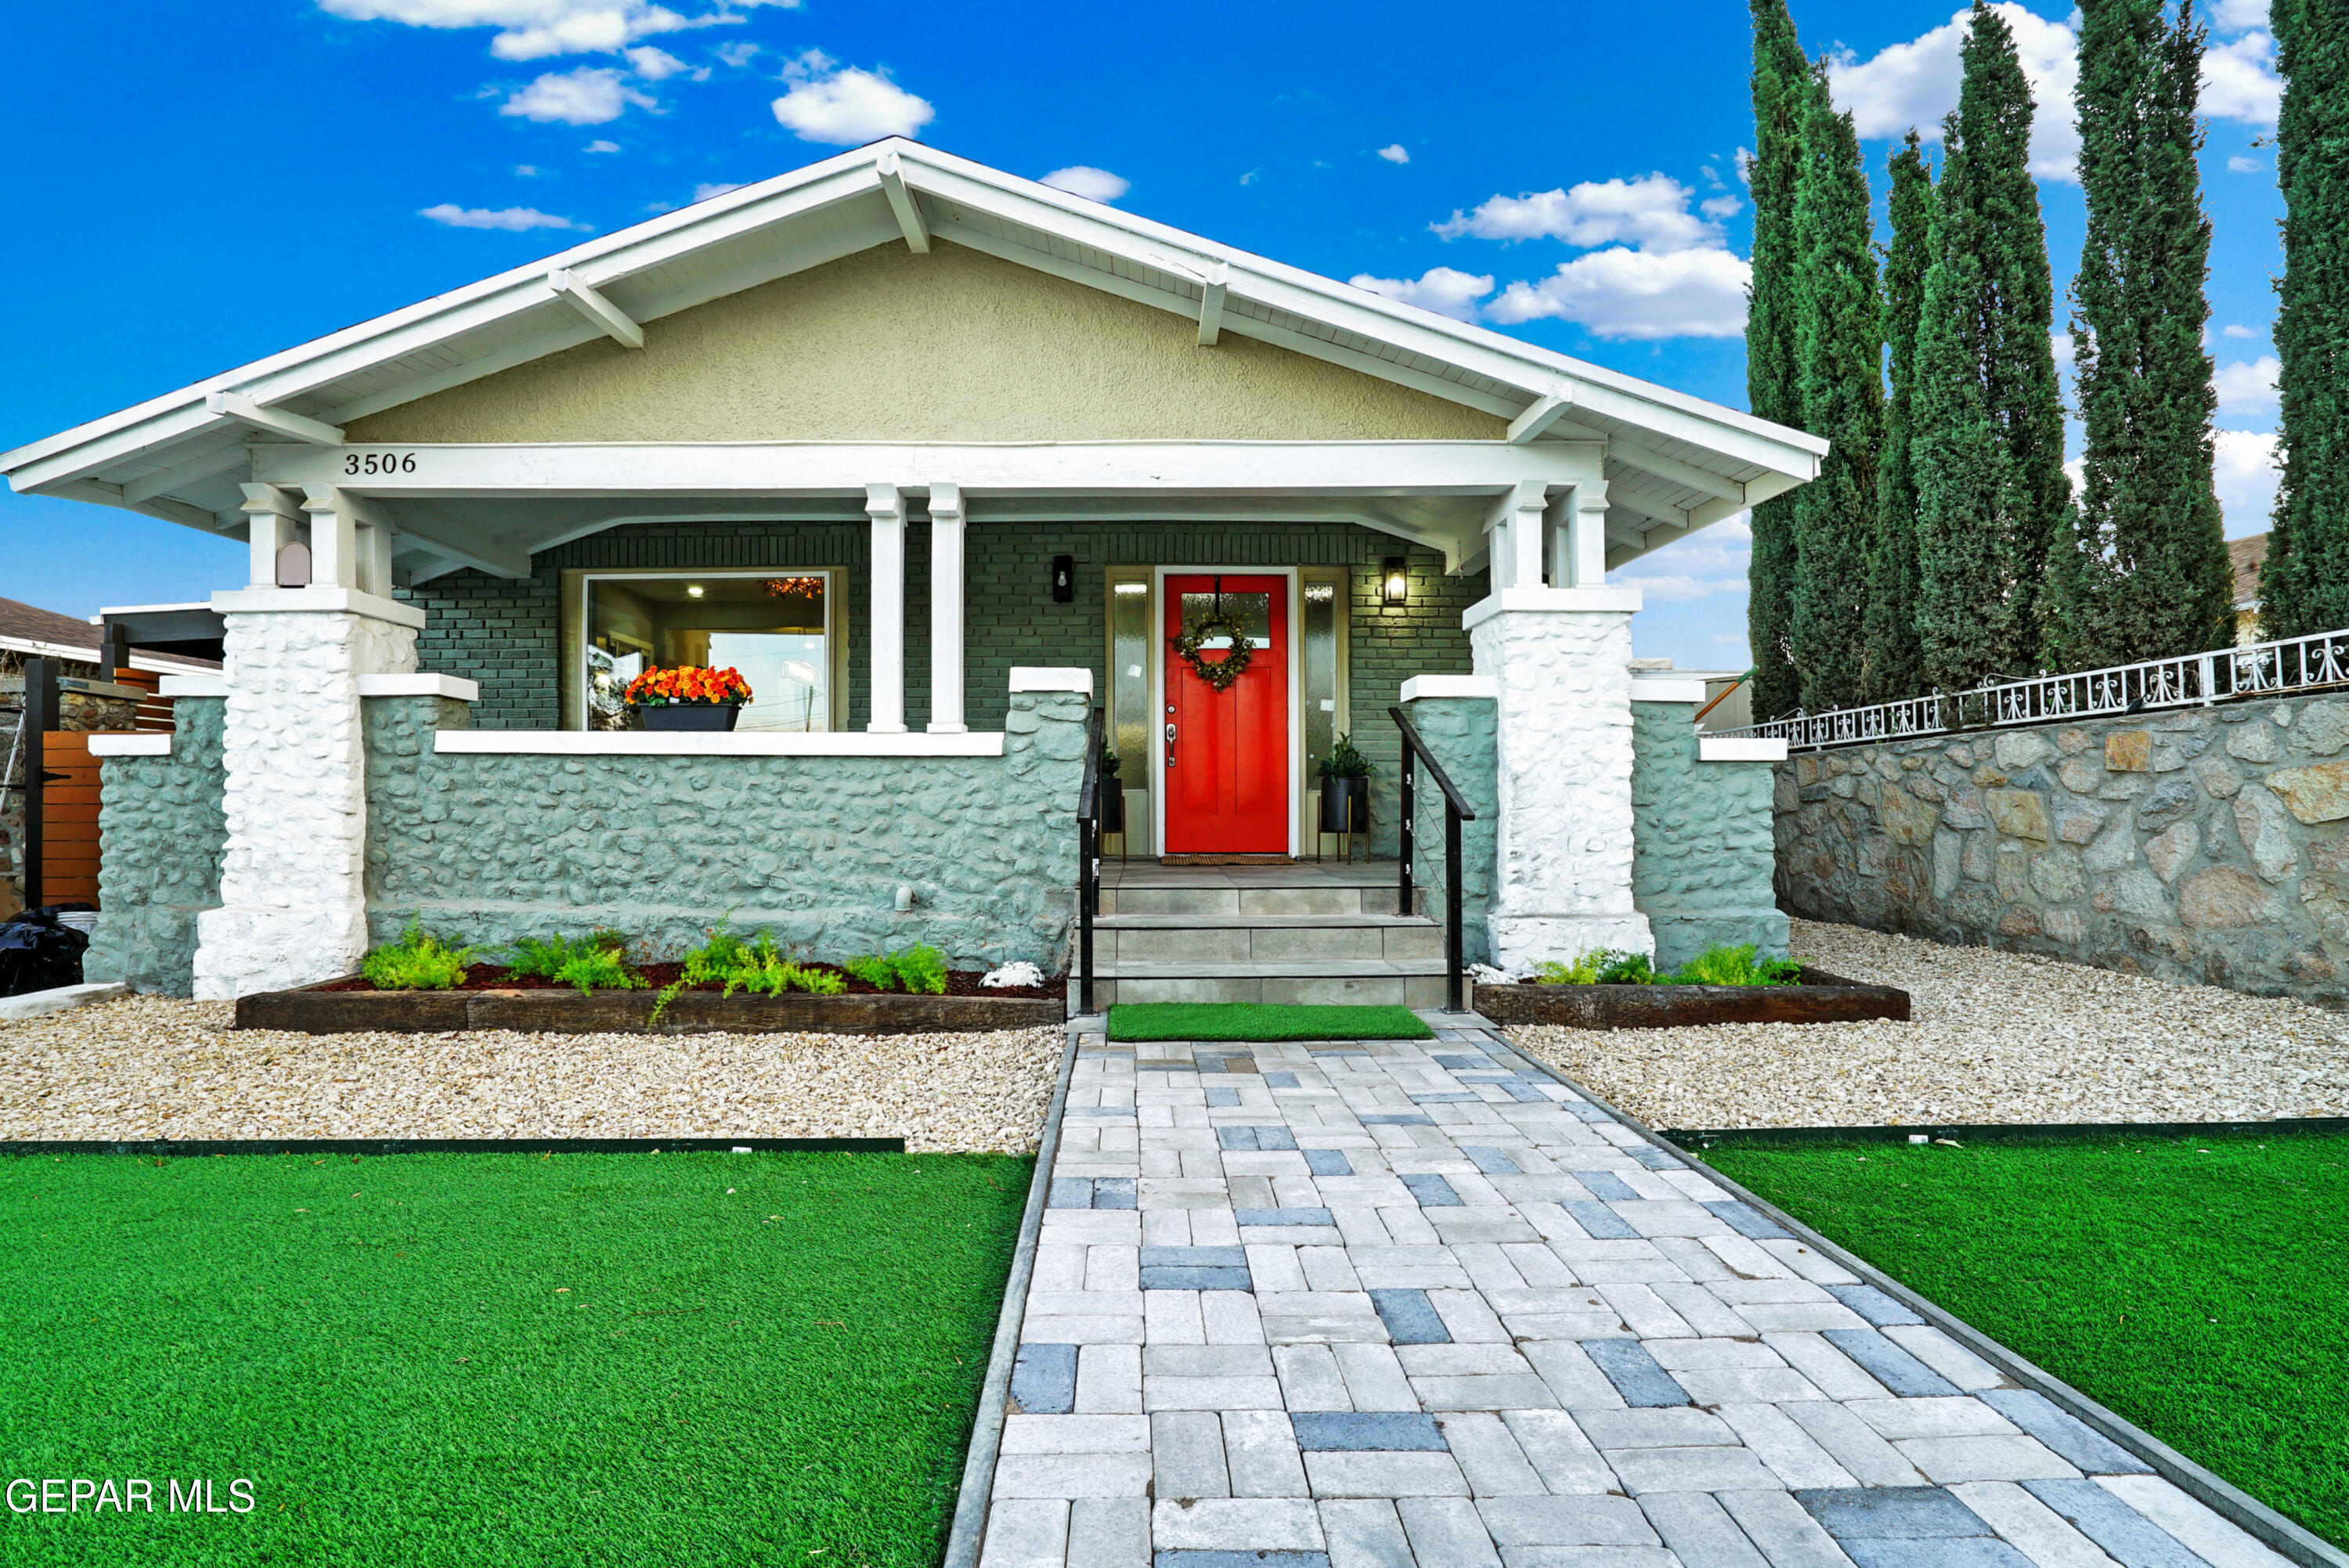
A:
[(694, 592), (1064, 579), (1394, 583)]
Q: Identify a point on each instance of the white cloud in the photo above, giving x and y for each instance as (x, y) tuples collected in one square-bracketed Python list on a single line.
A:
[(534, 30), (1395, 153), (1719, 207), (2061, 342), (2236, 330), (2239, 82), (526, 170), (1651, 211), (738, 54), (2246, 479), (587, 96), (1092, 185), (1446, 291), (1644, 295), (2244, 163), (2247, 391), (1916, 83), (1250, 176), (704, 192), (1744, 156), (515, 219), (2234, 15), (844, 106), (603, 147), (657, 65)]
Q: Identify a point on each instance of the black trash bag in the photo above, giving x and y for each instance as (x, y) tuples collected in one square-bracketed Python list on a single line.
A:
[(38, 951)]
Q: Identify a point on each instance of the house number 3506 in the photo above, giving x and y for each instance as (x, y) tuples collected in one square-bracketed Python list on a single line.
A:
[(379, 462)]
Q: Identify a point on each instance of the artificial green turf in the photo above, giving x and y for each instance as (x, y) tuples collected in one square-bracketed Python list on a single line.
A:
[(445, 1359), (1261, 1021), (2194, 1287)]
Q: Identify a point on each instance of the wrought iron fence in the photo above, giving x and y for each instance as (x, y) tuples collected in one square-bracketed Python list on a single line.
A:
[(2253, 669)]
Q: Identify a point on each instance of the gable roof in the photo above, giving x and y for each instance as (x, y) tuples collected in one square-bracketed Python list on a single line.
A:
[(1676, 462)]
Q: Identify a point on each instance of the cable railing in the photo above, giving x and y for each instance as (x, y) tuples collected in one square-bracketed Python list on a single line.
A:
[(2190, 680)]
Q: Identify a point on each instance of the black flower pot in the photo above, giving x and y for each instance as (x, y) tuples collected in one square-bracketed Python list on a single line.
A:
[(719, 715), (1109, 800), (1345, 805)]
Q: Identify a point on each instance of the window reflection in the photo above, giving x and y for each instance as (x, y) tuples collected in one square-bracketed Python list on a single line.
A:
[(772, 627)]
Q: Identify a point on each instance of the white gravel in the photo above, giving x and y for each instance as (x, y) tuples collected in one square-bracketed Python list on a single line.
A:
[(154, 1066), (1994, 1037)]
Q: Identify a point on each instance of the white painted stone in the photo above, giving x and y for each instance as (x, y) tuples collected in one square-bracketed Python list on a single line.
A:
[(1564, 878), (292, 895)]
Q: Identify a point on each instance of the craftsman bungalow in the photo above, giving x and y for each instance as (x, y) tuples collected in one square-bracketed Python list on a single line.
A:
[(943, 460)]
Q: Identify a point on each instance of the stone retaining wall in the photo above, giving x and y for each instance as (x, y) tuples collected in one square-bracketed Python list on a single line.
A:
[(163, 834), (2204, 845)]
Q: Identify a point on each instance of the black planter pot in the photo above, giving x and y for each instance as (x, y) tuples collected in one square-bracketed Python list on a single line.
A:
[(717, 715), (1345, 805), (1109, 800)]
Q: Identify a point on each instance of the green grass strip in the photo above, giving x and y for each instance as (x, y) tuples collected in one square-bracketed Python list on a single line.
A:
[(1261, 1021), (2193, 1286), (475, 1358)]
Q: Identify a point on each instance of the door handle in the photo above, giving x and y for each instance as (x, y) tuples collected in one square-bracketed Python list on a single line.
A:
[(1169, 745)]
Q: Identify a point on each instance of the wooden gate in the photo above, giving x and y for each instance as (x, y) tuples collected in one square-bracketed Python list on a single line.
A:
[(68, 830)]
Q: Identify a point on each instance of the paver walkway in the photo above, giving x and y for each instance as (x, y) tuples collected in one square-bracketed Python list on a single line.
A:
[(1331, 1306)]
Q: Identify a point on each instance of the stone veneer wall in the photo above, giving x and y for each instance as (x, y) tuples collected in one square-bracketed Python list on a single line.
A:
[(491, 848), (505, 634), (1701, 849), (2206, 845), (162, 833), (1463, 732)]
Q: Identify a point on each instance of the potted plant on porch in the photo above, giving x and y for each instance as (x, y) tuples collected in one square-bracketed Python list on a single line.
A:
[(689, 697), (1110, 794), (1345, 788)]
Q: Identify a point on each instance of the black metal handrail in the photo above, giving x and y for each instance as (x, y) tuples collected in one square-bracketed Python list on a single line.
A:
[(1088, 860), (1457, 811)]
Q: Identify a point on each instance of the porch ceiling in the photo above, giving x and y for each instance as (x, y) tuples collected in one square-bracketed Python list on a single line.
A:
[(1680, 463)]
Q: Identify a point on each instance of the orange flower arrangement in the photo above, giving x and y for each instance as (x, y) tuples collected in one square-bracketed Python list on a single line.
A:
[(689, 684)]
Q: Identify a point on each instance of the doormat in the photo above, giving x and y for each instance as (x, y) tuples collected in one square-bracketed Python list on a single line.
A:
[(1262, 1021), (1228, 859)]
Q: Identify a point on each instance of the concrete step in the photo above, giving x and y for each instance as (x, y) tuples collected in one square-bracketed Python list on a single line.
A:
[(1270, 898), (1368, 981), (1174, 939)]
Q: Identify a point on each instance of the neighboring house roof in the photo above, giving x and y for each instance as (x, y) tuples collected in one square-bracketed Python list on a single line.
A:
[(2246, 555), (44, 634), (1676, 462)]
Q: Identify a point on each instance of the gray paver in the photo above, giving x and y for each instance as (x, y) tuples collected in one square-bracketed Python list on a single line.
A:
[(1389, 1317)]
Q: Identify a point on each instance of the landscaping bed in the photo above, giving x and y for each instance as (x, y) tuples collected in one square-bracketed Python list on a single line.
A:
[(1817, 997), (535, 1005), (2189, 1284), (447, 1358)]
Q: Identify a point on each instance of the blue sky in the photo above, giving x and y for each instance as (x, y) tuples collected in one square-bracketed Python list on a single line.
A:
[(201, 186)]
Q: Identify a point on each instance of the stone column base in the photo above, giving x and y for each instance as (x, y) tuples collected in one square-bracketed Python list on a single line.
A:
[(1522, 941), (244, 951)]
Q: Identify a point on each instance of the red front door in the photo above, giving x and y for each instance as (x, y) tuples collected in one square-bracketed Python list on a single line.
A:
[(1227, 751)]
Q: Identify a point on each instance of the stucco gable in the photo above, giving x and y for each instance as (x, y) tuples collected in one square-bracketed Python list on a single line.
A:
[(955, 346)]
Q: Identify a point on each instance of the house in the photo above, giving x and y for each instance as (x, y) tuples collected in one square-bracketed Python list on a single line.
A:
[(2247, 556), (943, 460)]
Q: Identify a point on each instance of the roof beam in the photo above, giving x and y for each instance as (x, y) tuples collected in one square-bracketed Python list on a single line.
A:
[(493, 556), (1696, 479), (1656, 512), (238, 406), (218, 460), (609, 318), (901, 201), (1212, 290), (1545, 412)]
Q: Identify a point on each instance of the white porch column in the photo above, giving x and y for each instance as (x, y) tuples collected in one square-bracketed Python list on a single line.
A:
[(1515, 528), (274, 519), (350, 541), (887, 507), (1578, 538), (1559, 658), (293, 882), (947, 529)]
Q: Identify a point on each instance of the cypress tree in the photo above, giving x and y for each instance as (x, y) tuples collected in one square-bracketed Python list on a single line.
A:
[(1991, 491), (1781, 79), (2143, 573), (1894, 666), (1838, 356), (2304, 585)]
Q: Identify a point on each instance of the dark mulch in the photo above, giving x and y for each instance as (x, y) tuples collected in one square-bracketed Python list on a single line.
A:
[(498, 977)]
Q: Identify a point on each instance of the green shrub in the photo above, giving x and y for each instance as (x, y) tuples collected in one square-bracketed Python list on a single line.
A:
[(1625, 969), (1714, 966), (1735, 966), (599, 968), (417, 961), (819, 981), (547, 958), (920, 968), (874, 970)]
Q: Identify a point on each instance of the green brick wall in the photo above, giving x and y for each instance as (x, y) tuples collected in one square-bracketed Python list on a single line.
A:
[(505, 633)]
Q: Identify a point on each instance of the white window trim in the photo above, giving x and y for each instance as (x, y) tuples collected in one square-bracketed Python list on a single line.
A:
[(836, 694), (712, 743)]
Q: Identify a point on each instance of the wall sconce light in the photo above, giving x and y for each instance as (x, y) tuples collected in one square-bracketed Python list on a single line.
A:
[(1394, 581), (1064, 579)]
